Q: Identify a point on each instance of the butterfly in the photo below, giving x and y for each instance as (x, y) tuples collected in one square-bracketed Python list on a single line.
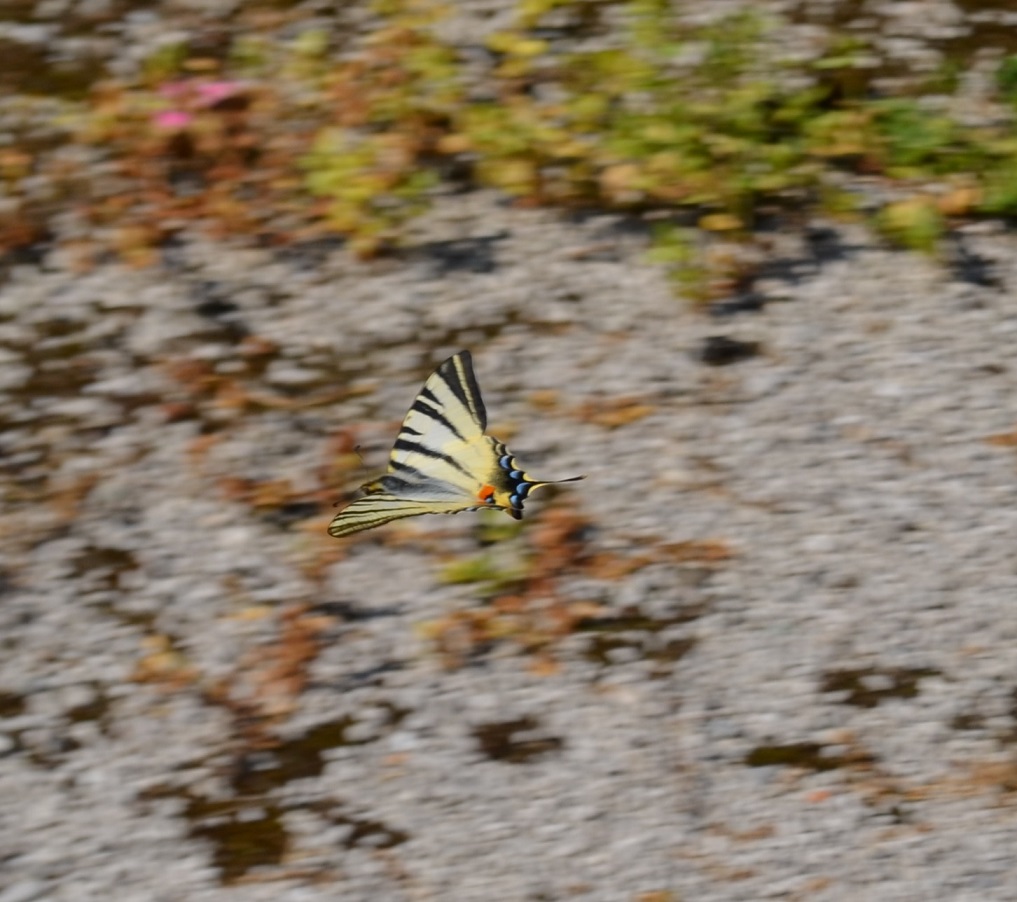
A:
[(442, 461)]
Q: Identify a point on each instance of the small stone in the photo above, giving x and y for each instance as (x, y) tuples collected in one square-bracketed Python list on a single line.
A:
[(24, 891), (290, 375)]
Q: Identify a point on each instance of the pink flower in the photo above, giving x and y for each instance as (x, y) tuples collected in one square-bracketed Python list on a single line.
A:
[(189, 96), (173, 119), (212, 92)]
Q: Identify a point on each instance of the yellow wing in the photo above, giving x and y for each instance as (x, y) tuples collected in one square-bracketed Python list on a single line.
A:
[(442, 461), (380, 508)]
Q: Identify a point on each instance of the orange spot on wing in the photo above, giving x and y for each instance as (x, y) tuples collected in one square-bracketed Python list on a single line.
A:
[(485, 492)]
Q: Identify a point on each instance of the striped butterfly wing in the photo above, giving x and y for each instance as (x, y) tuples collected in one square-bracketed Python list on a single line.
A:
[(379, 508), (441, 449), (441, 459)]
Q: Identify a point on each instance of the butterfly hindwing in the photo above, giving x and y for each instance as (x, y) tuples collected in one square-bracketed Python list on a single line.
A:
[(379, 508)]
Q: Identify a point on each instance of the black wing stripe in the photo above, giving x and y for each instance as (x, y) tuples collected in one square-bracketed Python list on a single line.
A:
[(436, 414), (407, 468), (358, 516), (457, 374), (357, 522), (455, 385), (385, 515), (428, 395), (402, 444), (464, 367)]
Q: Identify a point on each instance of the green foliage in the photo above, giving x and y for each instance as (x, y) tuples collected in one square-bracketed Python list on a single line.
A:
[(1006, 79), (845, 52), (477, 569), (1001, 186), (393, 100), (496, 529), (917, 142), (677, 250), (249, 53), (733, 45), (530, 12), (698, 123), (165, 63), (502, 565), (915, 223), (369, 184), (627, 128), (482, 569)]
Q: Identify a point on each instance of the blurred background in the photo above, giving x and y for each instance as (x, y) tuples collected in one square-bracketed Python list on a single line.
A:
[(748, 266)]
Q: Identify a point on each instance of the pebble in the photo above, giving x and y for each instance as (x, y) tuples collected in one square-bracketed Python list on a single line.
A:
[(25, 891)]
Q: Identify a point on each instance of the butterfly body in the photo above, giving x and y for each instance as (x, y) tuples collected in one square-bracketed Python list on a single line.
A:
[(442, 460)]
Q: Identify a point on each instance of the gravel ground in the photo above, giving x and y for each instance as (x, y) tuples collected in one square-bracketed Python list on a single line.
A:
[(788, 667)]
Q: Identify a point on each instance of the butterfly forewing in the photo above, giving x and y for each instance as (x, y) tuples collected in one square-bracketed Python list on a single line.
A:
[(441, 451), (448, 411)]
